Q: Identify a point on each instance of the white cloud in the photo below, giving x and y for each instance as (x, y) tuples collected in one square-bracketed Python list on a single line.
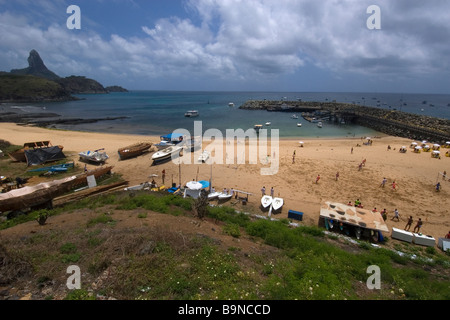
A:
[(249, 40)]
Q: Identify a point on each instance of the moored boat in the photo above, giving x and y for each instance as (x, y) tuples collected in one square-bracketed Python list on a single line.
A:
[(191, 114)]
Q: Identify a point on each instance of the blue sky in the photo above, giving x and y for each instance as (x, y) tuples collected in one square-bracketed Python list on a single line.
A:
[(248, 45)]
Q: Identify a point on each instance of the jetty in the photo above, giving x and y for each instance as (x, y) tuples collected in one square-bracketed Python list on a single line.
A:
[(388, 121)]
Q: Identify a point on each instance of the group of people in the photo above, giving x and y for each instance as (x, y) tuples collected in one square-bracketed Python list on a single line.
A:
[(410, 222), (263, 191)]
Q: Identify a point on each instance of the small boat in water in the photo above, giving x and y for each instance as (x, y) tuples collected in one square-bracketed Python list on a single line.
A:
[(294, 116), (268, 123), (191, 113), (94, 156), (133, 150), (299, 124), (319, 124), (167, 153)]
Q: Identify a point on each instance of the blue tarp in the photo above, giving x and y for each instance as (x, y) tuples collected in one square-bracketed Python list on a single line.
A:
[(205, 184)]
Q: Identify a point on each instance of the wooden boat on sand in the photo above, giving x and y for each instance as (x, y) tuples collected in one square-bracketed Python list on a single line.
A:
[(134, 150), (43, 193)]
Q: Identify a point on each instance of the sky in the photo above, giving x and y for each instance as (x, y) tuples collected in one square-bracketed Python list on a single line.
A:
[(237, 45)]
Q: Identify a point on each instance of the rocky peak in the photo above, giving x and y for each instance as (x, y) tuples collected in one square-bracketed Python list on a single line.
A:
[(36, 67)]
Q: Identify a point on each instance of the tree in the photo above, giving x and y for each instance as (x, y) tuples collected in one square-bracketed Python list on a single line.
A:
[(201, 205)]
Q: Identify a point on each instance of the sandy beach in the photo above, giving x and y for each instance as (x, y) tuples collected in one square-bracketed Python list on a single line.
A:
[(415, 174)]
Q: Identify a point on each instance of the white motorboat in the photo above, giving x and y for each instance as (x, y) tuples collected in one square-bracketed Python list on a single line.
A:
[(94, 156), (277, 203), (294, 116), (266, 201), (167, 153), (169, 140), (231, 104), (299, 124), (191, 113), (204, 156), (319, 124), (268, 123)]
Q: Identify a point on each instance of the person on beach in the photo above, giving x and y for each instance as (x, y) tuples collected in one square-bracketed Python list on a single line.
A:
[(384, 214), (351, 151), (396, 215), (418, 226), (263, 191), (447, 236), (318, 178), (438, 187), (444, 175), (357, 203), (163, 175), (350, 204), (337, 176), (394, 186), (293, 158), (360, 166), (409, 223), (271, 192), (383, 183)]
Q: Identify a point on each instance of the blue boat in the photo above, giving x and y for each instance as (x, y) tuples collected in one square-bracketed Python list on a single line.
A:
[(56, 168)]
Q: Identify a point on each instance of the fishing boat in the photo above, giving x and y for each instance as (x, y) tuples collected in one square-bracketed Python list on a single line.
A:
[(43, 193), (266, 201), (191, 114), (133, 150), (94, 156), (167, 153), (277, 203), (169, 140)]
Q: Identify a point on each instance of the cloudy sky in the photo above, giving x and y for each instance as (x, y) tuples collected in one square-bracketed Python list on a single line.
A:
[(254, 45)]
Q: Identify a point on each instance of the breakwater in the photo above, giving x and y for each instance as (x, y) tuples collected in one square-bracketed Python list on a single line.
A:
[(388, 121)]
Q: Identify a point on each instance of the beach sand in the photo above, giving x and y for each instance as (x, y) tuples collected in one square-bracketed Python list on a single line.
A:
[(415, 174)]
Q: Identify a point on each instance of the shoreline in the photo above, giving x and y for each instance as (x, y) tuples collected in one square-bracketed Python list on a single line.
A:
[(414, 173)]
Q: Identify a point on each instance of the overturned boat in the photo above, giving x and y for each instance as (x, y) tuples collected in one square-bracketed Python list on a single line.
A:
[(42, 194)]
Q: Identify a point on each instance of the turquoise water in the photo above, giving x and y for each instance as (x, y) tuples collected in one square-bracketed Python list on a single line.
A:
[(161, 112)]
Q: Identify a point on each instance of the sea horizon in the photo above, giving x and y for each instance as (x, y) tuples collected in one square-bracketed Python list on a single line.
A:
[(158, 112)]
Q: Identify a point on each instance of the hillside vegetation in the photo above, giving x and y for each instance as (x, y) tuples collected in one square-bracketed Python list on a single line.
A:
[(144, 245)]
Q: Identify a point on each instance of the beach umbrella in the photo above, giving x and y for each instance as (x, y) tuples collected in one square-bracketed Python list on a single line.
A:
[(194, 185), (301, 142)]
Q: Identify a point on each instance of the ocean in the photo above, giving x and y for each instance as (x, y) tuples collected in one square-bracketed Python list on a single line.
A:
[(162, 112)]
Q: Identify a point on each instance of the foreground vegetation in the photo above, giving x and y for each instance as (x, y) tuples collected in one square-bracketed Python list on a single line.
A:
[(158, 262)]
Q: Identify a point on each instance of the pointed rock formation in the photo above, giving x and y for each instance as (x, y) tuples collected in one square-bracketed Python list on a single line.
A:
[(36, 67)]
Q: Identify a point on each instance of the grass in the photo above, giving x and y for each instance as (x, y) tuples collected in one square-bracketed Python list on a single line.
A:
[(160, 263)]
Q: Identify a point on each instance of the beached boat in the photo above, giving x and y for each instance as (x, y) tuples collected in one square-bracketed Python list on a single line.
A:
[(19, 155), (167, 153), (266, 201), (134, 150), (94, 156), (277, 203), (169, 140), (204, 156), (224, 196), (213, 195), (193, 144), (44, 193), (56, 168), (191, 114)]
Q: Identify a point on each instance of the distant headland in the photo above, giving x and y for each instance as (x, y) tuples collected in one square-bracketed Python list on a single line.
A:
[(37, 83), (391, 122)]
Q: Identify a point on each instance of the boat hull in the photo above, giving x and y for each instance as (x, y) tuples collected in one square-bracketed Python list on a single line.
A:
[(133, 150)]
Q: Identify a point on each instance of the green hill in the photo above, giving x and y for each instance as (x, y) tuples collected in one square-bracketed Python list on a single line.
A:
[(26, 88)]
